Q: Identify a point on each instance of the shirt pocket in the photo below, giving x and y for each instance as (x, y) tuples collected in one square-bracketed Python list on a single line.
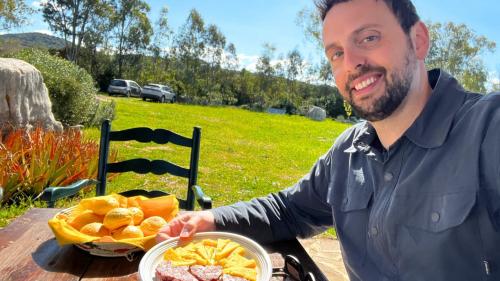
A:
[(356, 199), (437, 213), (352, 223)]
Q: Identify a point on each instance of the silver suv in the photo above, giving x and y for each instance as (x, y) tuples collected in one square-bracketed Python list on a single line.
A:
[(158, 92), (124, 87)]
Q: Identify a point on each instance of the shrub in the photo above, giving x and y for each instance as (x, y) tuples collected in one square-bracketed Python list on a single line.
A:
[(71, 88), (105, 110), (32, 161)]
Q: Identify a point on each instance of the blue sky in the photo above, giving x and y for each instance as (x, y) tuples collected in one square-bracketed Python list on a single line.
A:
[(250, 24)]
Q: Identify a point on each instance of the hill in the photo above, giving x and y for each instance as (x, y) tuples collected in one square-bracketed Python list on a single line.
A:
[(34, 40)]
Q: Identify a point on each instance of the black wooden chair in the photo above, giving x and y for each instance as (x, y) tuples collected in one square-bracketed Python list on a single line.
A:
[(141, 166)]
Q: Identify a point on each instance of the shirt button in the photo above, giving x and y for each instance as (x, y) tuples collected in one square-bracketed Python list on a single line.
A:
[(373, 231), (388, 176), (435, 217)]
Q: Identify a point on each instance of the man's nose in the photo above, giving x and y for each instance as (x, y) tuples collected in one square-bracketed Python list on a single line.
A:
[(353, 60)]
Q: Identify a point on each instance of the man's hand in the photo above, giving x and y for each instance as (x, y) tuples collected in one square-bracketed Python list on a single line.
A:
[(186, 225)]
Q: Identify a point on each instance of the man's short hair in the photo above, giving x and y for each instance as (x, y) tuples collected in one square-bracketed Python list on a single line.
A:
[(404, 10)]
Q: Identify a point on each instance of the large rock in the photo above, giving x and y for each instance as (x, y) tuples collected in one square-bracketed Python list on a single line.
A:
[(316, 113), (24, 98)]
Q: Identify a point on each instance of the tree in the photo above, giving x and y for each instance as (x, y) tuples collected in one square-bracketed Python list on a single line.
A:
[(157, 69), (95, 56), (189, 48), (162, 36), (310, 22), (70, 19), (132, 28), (457, 49), (215, 43), (229, 79), (264, 65), (13, 13), (294, 65), (230, 60)]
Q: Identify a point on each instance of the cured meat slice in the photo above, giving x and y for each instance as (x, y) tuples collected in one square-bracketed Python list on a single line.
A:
[(165, 271), (206, 273)]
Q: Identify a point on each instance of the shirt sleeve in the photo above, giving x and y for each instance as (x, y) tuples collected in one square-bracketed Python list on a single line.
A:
[(301, 210), (490, 163)]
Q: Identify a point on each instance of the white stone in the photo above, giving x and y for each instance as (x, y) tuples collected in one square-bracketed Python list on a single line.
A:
[(24, 98), (316, 113)]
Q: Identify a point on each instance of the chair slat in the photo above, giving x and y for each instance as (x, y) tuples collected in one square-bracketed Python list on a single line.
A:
[(142, 134), (144, 166)]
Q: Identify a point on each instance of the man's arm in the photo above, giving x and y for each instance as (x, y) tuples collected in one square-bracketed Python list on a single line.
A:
[(300, 210)]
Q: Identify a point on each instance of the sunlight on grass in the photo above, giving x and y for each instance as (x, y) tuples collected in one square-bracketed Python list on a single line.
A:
[(243, 154)]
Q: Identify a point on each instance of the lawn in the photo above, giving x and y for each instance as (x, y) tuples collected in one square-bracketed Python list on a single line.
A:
[(243, 155)]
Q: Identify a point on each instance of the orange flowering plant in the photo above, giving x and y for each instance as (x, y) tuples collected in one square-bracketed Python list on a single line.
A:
[(32, 160)]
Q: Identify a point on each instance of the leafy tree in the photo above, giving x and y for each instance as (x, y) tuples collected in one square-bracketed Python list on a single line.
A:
[(310, 22), (94, 57), (189, 47), (162, 33), (13, 13), (132, 28), (230, 61), (70, 18), (215, 45), (457, 49), (294, 65), (266, 70), (229, 75)]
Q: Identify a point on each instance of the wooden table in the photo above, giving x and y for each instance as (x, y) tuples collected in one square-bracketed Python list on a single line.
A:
[(29, 251)]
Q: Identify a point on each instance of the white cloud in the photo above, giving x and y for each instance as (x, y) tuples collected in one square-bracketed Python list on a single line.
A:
[(249, 62)]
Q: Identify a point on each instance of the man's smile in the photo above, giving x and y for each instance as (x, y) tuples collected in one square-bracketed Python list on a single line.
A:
[(365, 84)]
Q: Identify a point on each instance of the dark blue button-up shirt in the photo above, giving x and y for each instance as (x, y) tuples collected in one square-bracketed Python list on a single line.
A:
[(428, 208)]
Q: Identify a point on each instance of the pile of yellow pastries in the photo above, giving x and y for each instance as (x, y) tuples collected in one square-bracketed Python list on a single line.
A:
[(117, 217), (223, 252)]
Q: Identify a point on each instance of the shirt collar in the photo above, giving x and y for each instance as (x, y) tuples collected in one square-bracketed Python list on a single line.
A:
[(364, 135), (431, 128)]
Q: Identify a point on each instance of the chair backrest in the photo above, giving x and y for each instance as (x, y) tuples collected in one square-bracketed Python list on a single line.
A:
[(144, 166)]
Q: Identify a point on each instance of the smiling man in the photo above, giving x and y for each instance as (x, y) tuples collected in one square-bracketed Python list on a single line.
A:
[(413, 192)]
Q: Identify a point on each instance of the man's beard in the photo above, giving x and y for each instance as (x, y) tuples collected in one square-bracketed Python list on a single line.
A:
[(396, 91)]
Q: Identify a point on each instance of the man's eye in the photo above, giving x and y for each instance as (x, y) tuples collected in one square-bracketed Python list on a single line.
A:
[(336, 55), (370, 39)]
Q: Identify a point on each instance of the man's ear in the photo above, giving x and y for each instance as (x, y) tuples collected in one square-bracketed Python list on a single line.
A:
[(421, 40)]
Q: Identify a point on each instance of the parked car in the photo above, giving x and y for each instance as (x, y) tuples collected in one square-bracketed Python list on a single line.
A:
[(158, 92), (124, 87)]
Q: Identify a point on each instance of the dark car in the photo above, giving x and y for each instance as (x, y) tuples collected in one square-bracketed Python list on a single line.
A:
[(124, 87)]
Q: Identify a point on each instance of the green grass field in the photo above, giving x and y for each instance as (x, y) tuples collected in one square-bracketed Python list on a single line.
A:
[(243, 155)]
